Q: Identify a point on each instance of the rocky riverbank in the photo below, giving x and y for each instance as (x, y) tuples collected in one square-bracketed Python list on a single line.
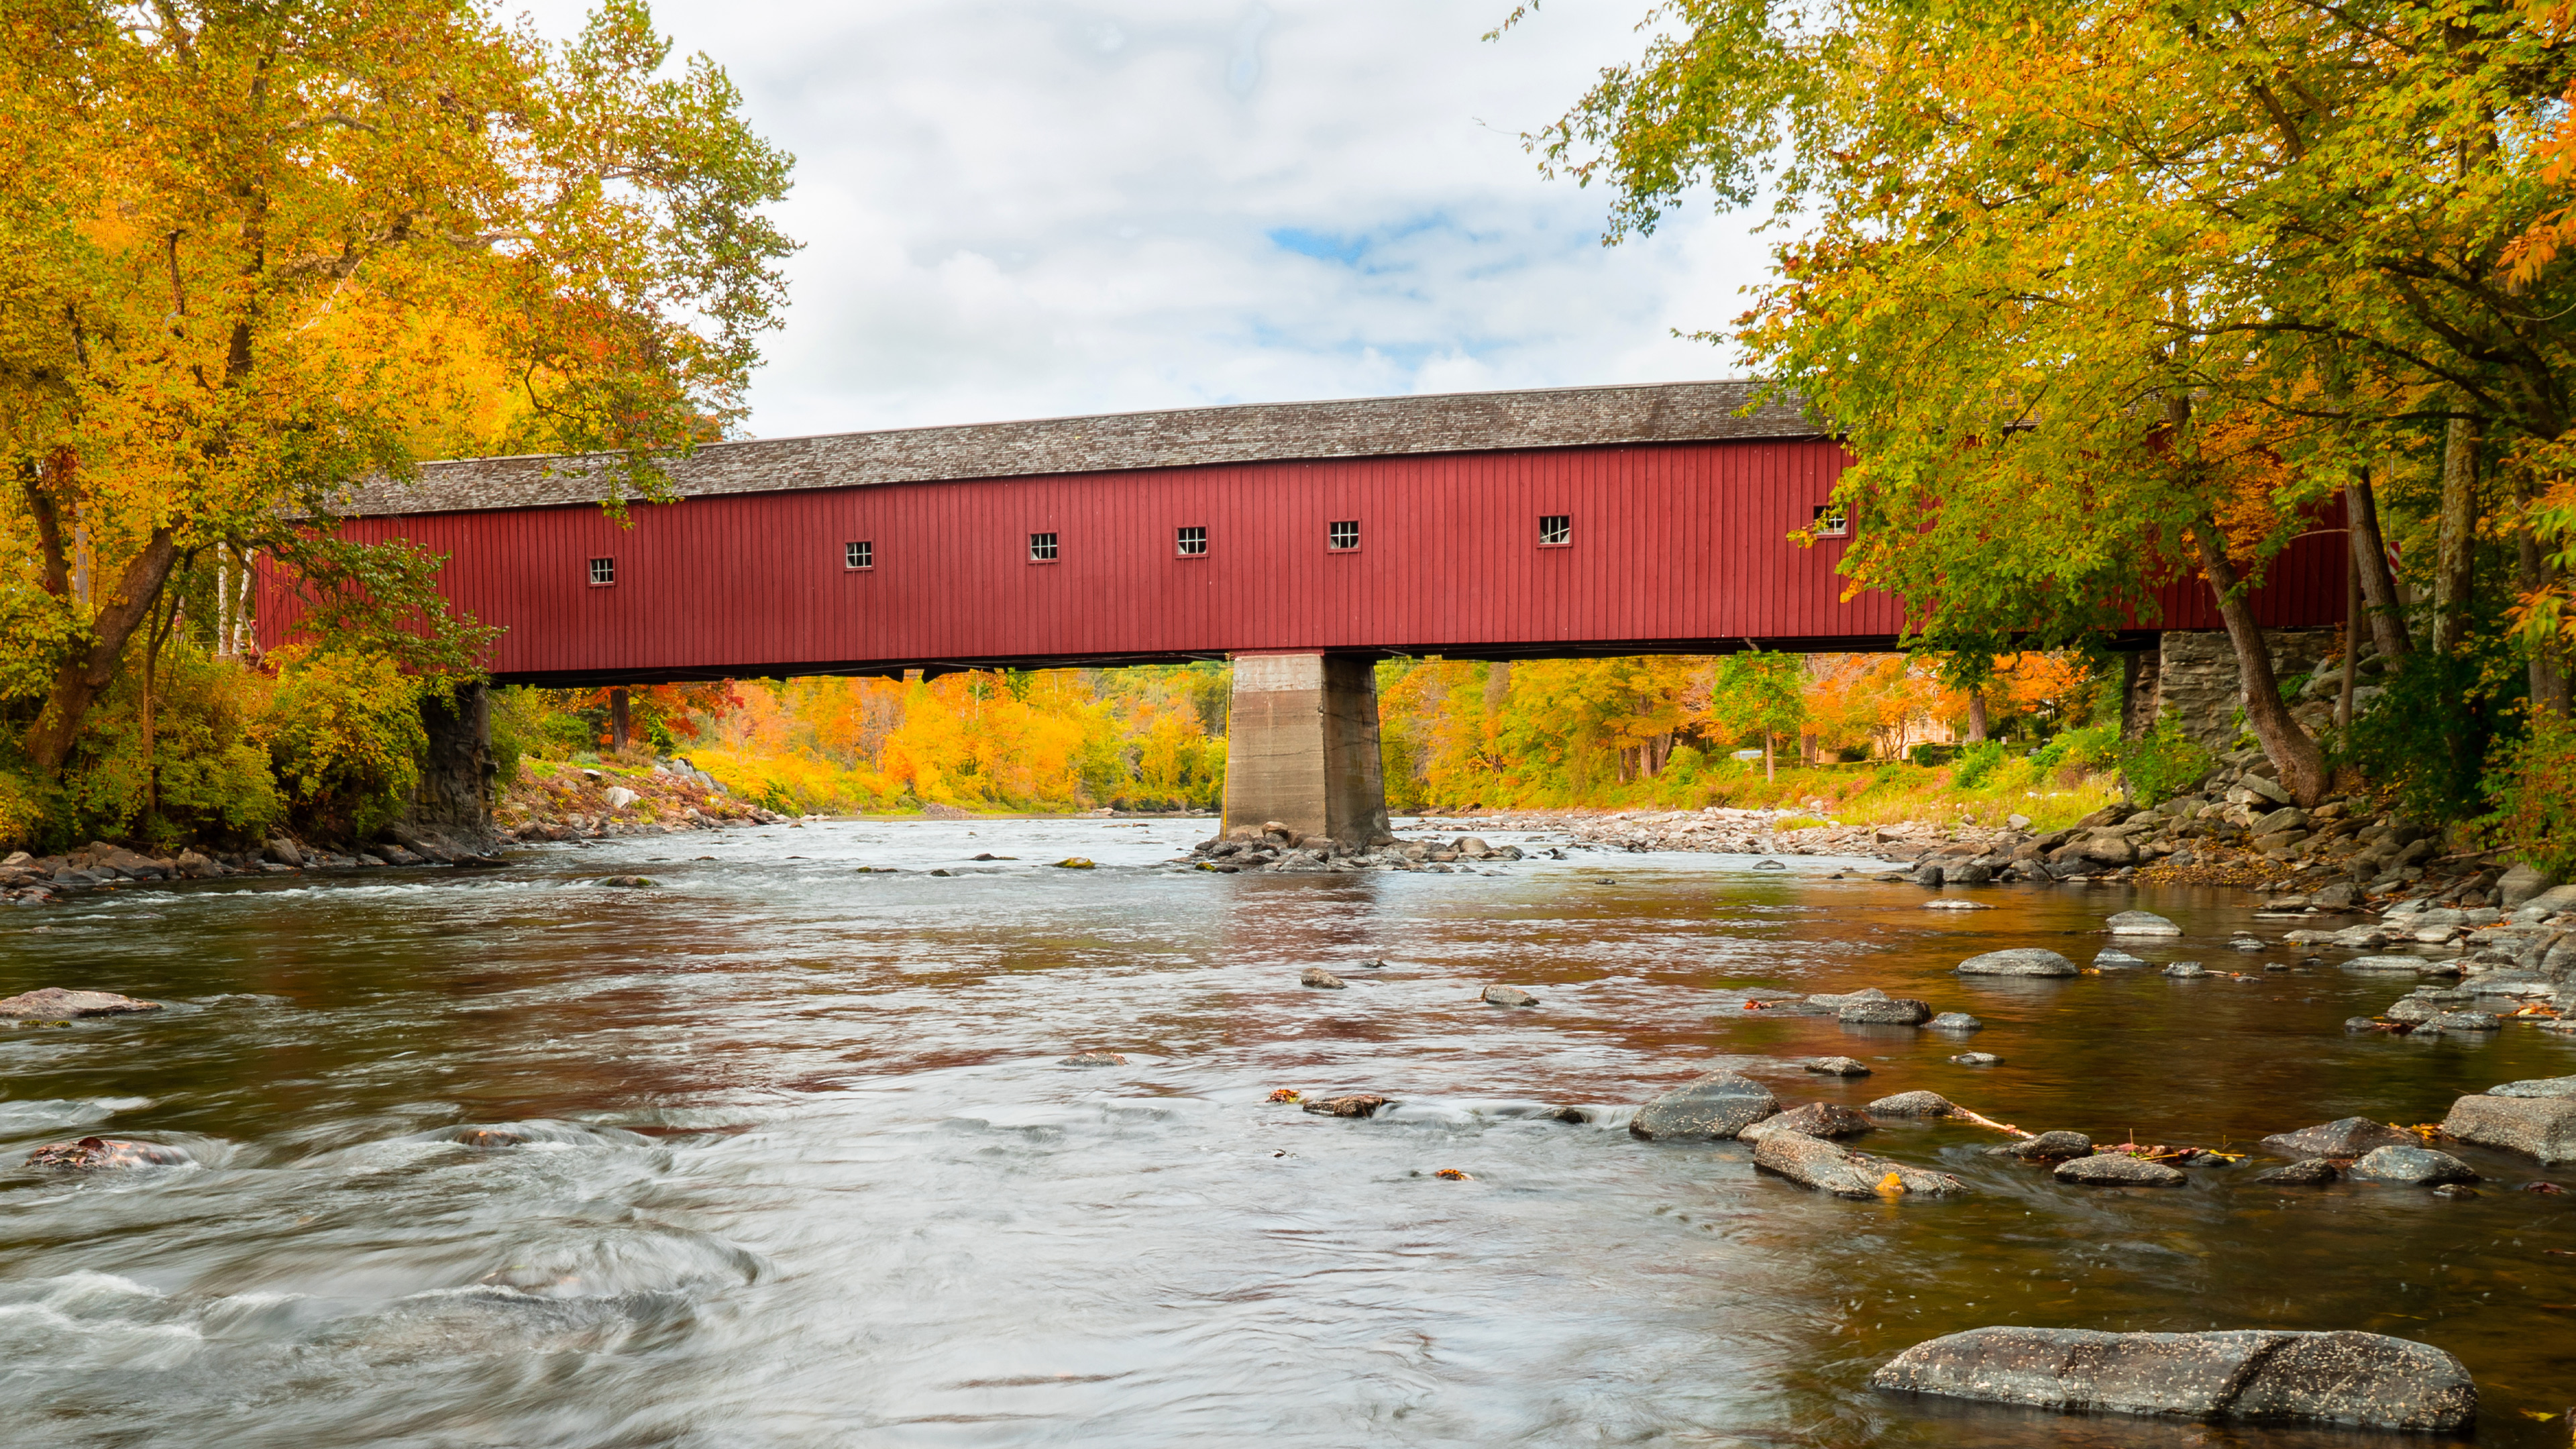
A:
[(555, 802)]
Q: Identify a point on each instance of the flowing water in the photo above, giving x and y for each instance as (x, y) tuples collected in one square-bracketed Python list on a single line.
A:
[(795, 1162)]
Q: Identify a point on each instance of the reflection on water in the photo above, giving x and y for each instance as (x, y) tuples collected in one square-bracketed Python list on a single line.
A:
[(780, 1153)]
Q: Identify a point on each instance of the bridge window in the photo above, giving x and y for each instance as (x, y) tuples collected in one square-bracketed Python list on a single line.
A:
[(1190, 542), (1042, 548), (1343, 536), (1831, 521), (861, 554), (1555, 530), (603, 572)]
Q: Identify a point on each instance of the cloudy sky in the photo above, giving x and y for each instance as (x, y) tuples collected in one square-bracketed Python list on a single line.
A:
[(1027, 208)]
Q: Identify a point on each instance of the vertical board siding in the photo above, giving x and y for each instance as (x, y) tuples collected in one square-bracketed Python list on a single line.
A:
[(1674, 545)]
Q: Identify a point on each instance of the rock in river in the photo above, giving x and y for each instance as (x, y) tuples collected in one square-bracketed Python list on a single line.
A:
[(2419, 1165), (1357, 1104), (2257, 1375), (2140, 923), (1955, 1021), (2112, 958), (1816, 1119), (1711, 1109), (2046, 1147), (53, 1003), (1912, 1104), (1837, 1066), (2019, 961), (1976, 1059), (2536, 1087), (2119, 1169), (2541, 1127), (1895, 1011), (1320, 979), (1509, 996), (1093, 1059), (2345, 1137), (100, 1154), (2315, 1172), (1813, 1162)]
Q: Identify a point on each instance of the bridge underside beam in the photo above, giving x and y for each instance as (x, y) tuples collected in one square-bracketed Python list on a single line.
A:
[(1302, 747)]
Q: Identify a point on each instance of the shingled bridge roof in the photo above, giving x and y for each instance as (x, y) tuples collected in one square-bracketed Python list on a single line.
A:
[(1672, 412)]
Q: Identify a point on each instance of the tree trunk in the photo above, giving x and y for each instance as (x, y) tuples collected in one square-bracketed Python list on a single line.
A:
[(2301, 763), (2455, 567), (2378, 583), (1976, 716), (1498, 687), (2549, 654), (82, 678)]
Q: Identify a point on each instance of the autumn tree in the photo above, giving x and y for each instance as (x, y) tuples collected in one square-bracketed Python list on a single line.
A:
[(2103, 294), (250, 255)]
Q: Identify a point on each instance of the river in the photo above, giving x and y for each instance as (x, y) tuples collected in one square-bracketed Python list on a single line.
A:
[(801, 1166)]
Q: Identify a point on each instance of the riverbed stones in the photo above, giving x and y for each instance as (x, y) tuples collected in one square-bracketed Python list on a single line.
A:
[(1894, 1011), (2140, 923), (104, 1154), (2112, 958), (1508, 996), (2186, 969), (1912, 1104), (2118, 1169), (1321, 979), (2466, 1021), (2019, 961), (1815, 1119), (2516, 887), (1977, 1059), (2046, 1147), (2541, 1127), (2536, 1087), (1712, 1108), (1815, 1163), (53, 1003), (646, 882), (2392, 965), (2256, 1375), (1836, 1066), (1093, 1059), (2310, 1172), (1355, 1104), (2344, 1137), (2419, 1166), (1955, 1021)]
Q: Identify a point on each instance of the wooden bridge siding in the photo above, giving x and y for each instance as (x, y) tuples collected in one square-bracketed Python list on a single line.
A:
[(1672, 543)]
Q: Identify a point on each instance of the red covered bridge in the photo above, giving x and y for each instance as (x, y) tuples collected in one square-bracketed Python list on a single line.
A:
[(1613, 520)]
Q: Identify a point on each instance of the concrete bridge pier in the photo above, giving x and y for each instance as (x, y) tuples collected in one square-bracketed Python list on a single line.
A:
[(1302, 748)]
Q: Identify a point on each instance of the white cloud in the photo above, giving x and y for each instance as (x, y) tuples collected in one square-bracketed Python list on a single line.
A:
[(1014, 208)]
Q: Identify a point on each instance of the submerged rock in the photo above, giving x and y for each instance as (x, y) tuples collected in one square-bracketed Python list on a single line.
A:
[(1093, 1059), (2314, 1172), (1955, 1021), (2111, 958), (2019, 961), (2541, 1127), (2417, 1165), (1837, 1066), (53, 1003), (1977, 1059), (1356, 1104), (105, 1154), (1320, 979), (1813, 1162), (2119, 1169), (631, 882), (1816, 1119), (2255, 1375), (2346, 1137), (1712, 1108), (1912, 1104), (1509, 996), (2140, 923), (2186, 968)]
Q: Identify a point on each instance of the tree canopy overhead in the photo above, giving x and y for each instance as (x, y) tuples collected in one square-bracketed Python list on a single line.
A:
[(251, 253), (2107, 292)]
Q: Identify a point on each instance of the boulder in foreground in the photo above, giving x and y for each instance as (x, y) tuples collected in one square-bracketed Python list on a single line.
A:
[(2019, 961), (1816, 1163), (2248, 1375), (53, 1003), (1711, 1109), (2541, 1127)]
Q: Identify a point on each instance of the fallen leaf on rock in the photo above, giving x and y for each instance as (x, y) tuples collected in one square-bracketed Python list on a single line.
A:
[(1453, 1174), (1286, 1094), (1892, 1185), (1757, 1006)]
